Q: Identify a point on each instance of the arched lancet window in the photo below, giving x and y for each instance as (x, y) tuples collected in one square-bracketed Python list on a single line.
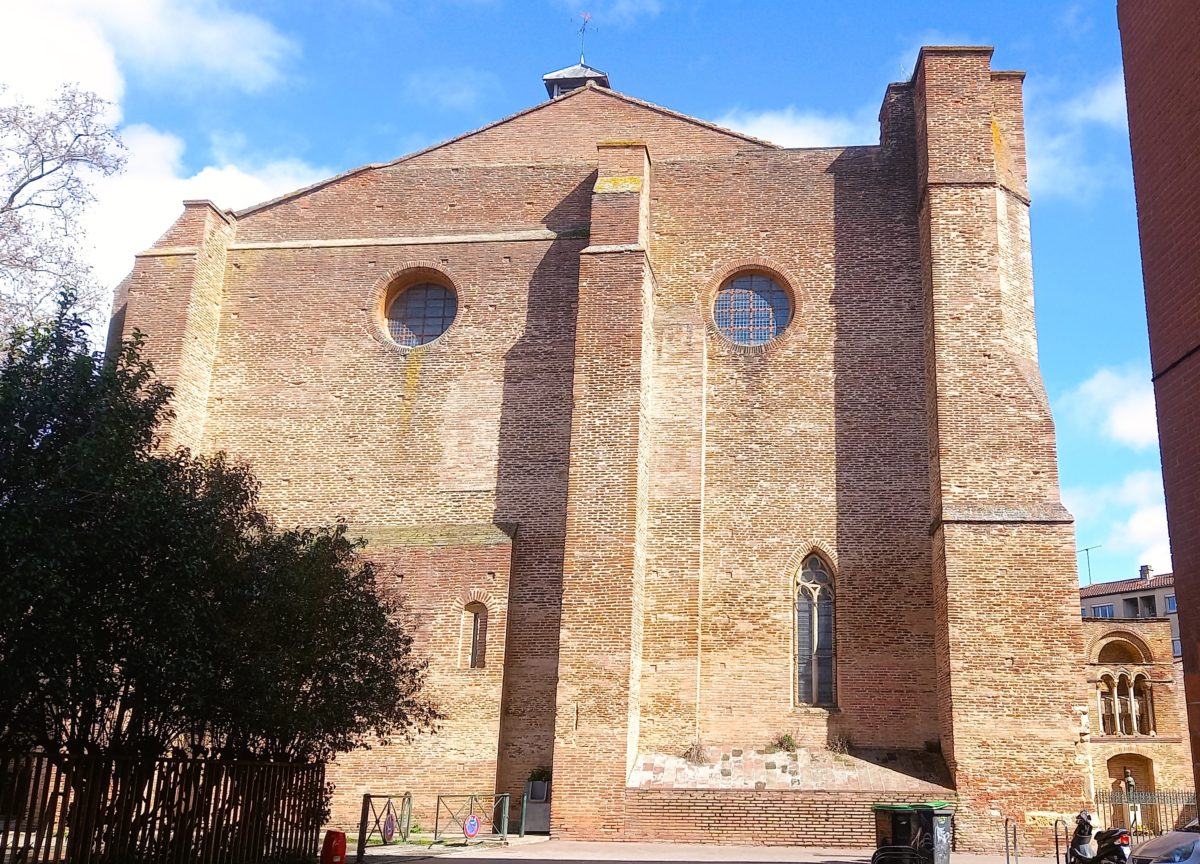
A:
[(1108, 705), (816, 682), (1144, 699), (1125, 705), (475, 621)]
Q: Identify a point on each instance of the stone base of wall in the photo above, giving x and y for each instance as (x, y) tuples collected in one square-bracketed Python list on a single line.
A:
[(766, 818)]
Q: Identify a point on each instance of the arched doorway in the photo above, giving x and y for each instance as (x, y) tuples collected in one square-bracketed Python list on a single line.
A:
[(1127, 810)]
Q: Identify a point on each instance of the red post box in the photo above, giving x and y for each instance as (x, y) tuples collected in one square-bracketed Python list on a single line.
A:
[(333, 851)]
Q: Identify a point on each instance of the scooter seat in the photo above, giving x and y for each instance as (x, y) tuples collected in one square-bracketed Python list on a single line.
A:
[(1103, 837)]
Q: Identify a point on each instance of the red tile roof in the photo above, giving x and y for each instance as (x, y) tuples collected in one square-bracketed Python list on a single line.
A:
[(1125, 586)]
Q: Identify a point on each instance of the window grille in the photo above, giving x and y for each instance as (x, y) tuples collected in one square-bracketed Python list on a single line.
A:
[(752, 309), (421, 314)]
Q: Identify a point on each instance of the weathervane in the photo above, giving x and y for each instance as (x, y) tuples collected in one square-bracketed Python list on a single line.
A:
[(586, 17)]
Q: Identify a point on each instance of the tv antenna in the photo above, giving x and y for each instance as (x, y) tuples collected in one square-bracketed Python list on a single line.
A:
[(586, 19), (1087, 554)]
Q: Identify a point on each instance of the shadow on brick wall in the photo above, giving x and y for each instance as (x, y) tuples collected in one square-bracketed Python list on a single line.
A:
[(885, 620), (531, 493)]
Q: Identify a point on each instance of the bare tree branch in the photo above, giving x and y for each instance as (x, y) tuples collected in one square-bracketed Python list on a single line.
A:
[(49, 156)]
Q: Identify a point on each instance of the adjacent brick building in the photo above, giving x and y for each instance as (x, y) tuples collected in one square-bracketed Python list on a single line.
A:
[(1150, 595), (677, 442), (1136, 717), (1160, 43)]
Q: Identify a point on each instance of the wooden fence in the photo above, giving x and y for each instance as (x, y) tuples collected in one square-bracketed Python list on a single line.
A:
[(158, 811)]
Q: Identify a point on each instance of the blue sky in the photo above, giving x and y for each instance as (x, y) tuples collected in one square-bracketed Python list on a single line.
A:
[(240, 101)]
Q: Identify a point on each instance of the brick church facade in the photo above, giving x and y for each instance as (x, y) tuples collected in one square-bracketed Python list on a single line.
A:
[(676, 442)]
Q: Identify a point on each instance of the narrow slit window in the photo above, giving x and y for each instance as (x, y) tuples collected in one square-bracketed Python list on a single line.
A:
[(476, 636)]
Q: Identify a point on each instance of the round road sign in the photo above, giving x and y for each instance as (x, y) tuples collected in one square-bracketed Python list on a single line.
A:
[(471, 826)]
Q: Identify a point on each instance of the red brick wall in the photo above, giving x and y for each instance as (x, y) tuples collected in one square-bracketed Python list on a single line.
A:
[(439, 570), (604, 571), (1160, 43), (756, 818), (664, 485), (1009, 639), (1164, 758), (798, 424), (178, 297)]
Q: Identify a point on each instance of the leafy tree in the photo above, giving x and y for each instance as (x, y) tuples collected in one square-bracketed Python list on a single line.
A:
[(147, 602), (47, 157)]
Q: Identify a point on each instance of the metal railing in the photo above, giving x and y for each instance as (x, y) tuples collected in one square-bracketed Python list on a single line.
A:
[(1145, 814), (383, 819), (472, 817), (1012, 853), (157, 811), (1062, 841)]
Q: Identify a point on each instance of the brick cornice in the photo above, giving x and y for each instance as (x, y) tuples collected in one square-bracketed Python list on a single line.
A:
[(987, 514)]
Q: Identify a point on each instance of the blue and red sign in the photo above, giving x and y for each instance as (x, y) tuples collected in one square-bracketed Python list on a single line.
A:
[(471, 826)]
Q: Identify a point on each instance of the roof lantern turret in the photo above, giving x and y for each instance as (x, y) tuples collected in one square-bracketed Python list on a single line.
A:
[(572, 78)]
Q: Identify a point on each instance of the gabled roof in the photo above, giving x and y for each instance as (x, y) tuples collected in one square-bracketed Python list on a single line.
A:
[(574, 94), (1128, 586)]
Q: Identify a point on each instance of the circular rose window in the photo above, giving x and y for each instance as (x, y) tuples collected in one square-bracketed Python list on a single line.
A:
[(421, 313), (751, 309)]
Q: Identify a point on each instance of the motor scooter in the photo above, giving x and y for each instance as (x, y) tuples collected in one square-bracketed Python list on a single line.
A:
[(1112, 846)]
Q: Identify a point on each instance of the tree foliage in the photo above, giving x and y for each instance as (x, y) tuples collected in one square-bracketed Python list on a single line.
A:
[(48, 156), (147, 602)]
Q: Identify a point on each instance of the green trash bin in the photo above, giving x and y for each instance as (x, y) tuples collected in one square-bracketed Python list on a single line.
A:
[(924, 827)]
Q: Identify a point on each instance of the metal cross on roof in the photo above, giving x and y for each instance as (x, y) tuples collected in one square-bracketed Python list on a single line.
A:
[(586, 18)]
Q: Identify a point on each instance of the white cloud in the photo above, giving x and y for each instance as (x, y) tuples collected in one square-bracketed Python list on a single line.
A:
[(792, 127), (1137, 489), (451, 89), (166, 42), (1075, 21), (1120, 402), (1103, 104), (46, 46), (95, 44), (1062, 134), (132, 210), (179, 38), (1129, 515), (1144, 532), (620, 12)]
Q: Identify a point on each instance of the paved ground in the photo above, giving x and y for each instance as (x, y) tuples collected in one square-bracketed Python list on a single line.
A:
[(541, 849)]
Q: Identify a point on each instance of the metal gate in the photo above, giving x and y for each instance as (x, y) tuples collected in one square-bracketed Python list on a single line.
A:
[(386, 817), (471, 817), (1145, 814)]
